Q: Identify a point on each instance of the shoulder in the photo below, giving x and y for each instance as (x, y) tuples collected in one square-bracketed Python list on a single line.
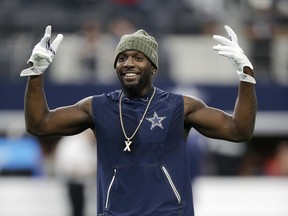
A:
[(103, 101), (192, 104), (85, 104), (169, 97), (111, 96), (89, 102)]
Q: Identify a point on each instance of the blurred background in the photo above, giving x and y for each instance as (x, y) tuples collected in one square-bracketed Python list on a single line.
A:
[(56, 175)]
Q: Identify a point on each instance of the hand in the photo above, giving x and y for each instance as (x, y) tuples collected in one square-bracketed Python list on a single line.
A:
[(230, 48), (42, 54)]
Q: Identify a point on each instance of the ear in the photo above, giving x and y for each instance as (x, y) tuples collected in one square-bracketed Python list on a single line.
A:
[(154, 70)]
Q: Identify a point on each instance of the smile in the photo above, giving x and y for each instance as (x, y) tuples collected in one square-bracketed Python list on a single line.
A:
[(130, 74)]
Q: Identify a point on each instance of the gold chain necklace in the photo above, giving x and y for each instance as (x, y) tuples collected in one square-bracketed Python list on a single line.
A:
[(128, 141)]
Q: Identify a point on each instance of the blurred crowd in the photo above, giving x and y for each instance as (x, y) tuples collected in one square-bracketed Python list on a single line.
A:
[(92, 29)]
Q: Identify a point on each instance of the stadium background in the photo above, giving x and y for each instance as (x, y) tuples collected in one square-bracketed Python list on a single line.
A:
[(230, 179)]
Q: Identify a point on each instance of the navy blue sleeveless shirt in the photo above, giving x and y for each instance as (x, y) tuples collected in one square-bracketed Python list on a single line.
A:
[(153, 179)]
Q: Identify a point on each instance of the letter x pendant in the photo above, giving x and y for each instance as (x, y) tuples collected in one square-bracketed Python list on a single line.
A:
[(127, 143)]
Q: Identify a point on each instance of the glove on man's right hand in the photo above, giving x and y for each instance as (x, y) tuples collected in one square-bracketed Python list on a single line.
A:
[(42, 54)]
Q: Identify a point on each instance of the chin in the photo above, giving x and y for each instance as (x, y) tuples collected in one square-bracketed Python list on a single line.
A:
[(135, 85), (131, 87)]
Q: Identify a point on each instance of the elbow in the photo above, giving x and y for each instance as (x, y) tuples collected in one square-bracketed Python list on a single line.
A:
[(245, 138), (244, 135), (249, 136), (36, 126), (34, 130)]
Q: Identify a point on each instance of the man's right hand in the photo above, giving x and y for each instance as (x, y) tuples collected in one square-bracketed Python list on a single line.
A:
[(42, 54)]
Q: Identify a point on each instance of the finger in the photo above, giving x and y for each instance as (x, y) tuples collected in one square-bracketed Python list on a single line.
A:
[(43, 55), (222, 40), (232, 35), (227, 54), (48, 30), (225, 48), (226, 42), (57, 42), (46, 36)]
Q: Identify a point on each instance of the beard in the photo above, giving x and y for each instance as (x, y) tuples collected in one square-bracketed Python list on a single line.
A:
[(136, 88)]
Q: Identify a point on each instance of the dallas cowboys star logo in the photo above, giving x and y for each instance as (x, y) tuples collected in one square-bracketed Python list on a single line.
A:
[(156, 121)]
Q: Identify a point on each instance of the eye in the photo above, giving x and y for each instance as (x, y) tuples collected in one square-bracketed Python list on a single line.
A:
[(121, 58), (139, 58)]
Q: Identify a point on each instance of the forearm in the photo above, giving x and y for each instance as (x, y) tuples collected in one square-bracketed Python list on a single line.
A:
[(245, 108), (35, 105)]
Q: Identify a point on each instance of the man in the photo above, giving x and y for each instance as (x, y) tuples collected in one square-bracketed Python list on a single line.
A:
[(141, 130)]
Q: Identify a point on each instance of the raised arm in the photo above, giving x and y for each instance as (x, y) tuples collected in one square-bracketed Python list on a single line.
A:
[(40, 120), (216, 123)]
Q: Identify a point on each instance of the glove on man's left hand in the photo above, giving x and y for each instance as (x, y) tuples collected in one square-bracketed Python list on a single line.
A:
[(230, 48), (42, 54)]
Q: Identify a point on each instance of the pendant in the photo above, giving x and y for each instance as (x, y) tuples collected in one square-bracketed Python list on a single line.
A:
[(127, 143)]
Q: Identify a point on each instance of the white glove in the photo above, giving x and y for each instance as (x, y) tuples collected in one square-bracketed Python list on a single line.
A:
[(42, 54), (230, 48)]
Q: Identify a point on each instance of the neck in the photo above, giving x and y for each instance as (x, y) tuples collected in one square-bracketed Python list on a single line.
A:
[(134, 92)]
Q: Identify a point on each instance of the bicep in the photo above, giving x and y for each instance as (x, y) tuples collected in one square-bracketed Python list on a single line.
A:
[(68, 120), (209, 121)]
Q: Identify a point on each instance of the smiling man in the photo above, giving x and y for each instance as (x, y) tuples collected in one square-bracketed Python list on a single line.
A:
[(138, 47), (141, 130)]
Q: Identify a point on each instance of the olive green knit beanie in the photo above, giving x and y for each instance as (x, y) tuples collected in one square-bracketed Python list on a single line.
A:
[(140, 41)]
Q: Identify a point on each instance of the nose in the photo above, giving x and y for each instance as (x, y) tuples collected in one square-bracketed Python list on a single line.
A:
[(129, 62)]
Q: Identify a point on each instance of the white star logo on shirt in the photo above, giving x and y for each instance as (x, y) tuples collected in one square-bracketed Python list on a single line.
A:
[(156, 121)]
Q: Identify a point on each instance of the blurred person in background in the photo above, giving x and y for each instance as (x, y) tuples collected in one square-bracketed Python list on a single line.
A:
[(277, 164), (75, 164), (259, 26), (141, 130), (85, 57)]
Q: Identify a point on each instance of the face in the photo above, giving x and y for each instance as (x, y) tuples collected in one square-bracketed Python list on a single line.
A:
[(134, 71)]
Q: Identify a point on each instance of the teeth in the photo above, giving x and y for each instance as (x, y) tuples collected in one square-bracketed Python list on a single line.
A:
[(130, 74)]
